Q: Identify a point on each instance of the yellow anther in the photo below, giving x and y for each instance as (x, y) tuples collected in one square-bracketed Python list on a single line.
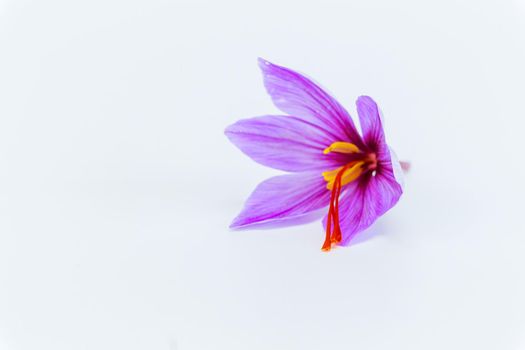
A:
[(331, 174), (341, 147), (348, 176)]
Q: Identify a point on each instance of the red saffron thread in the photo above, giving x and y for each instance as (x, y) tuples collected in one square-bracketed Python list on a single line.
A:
[(334, 236)]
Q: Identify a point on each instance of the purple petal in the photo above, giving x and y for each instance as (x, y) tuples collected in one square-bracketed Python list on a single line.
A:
[(374, 136), (297, 95), (370, 120), (285, 143), (285, 197), (364, 201)]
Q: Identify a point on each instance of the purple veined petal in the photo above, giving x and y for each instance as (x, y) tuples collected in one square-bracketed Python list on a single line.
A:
[(372, 128), (297, 95), (364, 201), (284, 199), (370, 120), (285, 143)]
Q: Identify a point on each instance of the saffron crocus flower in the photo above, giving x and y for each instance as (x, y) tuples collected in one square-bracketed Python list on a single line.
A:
[(355, 175)]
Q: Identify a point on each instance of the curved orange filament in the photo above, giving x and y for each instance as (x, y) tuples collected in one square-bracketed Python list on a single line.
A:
[(338, 178), (334, 236)]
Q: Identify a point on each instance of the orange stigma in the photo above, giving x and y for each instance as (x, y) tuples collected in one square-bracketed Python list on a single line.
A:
[(339, 177)]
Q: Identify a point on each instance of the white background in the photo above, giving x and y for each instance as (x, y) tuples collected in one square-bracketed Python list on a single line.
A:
[(117, 184)]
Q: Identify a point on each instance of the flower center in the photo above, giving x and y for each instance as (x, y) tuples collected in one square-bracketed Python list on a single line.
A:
[(359, 162)]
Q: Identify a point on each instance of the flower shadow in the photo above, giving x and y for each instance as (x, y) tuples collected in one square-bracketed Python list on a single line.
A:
[(377, 229)]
